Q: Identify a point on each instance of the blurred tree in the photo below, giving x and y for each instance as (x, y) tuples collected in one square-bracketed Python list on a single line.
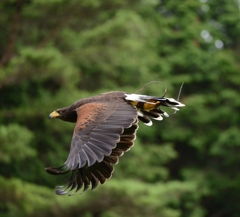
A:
[(55, 52)]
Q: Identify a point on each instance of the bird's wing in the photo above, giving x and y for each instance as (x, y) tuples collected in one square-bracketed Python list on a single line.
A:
[(97, 131), (99, 171)]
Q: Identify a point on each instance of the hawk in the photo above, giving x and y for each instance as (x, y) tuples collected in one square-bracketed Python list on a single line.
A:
[(106, 127)]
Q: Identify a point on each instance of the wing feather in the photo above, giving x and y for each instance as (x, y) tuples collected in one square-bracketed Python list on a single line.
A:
[(100, 171), (101, 124), (104, 131)]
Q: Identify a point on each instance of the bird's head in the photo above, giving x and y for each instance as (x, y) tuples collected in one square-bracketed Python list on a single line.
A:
[(65, 114)]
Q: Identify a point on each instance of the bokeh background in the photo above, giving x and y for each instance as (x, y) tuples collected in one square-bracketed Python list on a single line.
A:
[(54, 52)]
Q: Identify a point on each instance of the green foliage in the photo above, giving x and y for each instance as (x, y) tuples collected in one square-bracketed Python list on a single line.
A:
[(152, 159), (15, 143), (161, 199), (56, 52), (40, 62)]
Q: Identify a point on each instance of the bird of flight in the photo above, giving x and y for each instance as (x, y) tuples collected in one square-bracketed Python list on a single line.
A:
[(106, 127)]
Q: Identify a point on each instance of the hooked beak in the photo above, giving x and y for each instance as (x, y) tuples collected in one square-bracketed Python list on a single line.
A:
[(54, 114)]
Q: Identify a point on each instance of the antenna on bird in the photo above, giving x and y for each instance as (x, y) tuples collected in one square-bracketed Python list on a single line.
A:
[(165, 90), (180, 90), (179, 94)]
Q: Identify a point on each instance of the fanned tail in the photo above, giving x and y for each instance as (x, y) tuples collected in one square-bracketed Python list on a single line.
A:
[(150, 106)]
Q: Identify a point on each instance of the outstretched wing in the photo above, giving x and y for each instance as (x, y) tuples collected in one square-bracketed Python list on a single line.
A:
[(104, 131), (99, 171), (97, 131)]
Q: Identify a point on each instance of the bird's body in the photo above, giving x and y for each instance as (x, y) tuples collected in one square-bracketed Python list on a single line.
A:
[(106, 127)]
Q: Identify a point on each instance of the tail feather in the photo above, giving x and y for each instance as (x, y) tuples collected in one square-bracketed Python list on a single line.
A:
[(153, 115), (150, 106), (158, 110), (145, 119)]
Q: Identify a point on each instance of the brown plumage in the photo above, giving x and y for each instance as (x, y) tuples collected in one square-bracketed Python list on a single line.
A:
[(105, 128)]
